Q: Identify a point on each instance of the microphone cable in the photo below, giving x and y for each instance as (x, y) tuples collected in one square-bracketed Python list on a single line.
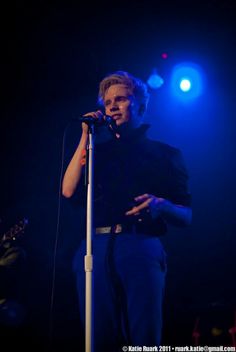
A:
[(52, 297)]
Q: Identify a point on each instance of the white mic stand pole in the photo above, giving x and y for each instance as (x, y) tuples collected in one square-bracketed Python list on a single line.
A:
[(88, 259)]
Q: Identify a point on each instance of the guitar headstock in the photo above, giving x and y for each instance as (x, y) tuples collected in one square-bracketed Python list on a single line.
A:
[(15, 231)]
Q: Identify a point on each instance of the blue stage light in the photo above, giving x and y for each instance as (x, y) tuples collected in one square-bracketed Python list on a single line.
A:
[(187, 81), (155, 81), (185, 85)]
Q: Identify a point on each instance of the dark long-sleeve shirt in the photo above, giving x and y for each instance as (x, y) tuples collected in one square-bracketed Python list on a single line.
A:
[(124, 169)]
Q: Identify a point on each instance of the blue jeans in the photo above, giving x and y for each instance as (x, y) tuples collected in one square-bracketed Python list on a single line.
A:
[(128, 285)]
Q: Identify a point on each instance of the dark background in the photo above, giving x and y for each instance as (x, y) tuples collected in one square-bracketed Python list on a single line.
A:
[(53, 56)]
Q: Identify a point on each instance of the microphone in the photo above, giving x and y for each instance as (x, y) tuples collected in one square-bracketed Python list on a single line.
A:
[(105, 120), (89, 119), (112, 126)]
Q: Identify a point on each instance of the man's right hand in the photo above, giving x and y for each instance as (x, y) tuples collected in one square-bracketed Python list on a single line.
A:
[(96, 115)]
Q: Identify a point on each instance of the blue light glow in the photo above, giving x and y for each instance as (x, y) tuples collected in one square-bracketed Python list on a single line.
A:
[(185, 85), (186, 81), (155, 81)]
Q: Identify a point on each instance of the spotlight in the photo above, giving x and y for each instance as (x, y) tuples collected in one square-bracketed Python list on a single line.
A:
[(164, 55), (185, 85), (187, 81), (155, 81)]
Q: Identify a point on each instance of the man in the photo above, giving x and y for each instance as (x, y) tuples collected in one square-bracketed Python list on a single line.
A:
[(140, 187)]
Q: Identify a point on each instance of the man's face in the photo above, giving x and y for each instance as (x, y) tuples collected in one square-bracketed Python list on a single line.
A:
[(121, 105)]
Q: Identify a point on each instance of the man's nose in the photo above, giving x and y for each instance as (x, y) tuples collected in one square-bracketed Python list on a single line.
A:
[(114, 106)]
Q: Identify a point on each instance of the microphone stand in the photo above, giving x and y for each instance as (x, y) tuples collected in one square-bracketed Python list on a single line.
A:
[(88, 259)]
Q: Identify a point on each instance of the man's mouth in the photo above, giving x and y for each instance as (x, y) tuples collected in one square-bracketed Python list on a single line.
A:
[(116, 116)]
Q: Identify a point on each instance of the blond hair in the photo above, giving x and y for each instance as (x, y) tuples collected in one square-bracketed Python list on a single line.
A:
[(137, 87)]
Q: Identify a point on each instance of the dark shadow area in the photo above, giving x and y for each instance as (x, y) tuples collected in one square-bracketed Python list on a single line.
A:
[(53, 56)]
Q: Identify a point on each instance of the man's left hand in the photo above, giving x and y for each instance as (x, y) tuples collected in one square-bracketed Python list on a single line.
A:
[(148, 203)]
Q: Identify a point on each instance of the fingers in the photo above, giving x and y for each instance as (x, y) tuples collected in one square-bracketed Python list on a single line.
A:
[(136, 210), (148, 203), (145, 199), (95, 114), (133, 211)]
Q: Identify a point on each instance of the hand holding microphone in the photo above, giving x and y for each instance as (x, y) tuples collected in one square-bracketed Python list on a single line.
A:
[(94, 117), (99, 119)]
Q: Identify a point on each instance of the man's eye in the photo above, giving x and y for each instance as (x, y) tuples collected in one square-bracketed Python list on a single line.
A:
[(122, 99)]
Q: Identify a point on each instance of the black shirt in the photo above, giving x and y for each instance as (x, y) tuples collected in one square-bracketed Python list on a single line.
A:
[(128, 167)]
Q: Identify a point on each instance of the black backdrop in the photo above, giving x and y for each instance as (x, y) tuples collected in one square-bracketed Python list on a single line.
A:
[(52, 58)]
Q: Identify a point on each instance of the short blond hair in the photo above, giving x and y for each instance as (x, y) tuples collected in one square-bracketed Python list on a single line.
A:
[(137, 87)]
